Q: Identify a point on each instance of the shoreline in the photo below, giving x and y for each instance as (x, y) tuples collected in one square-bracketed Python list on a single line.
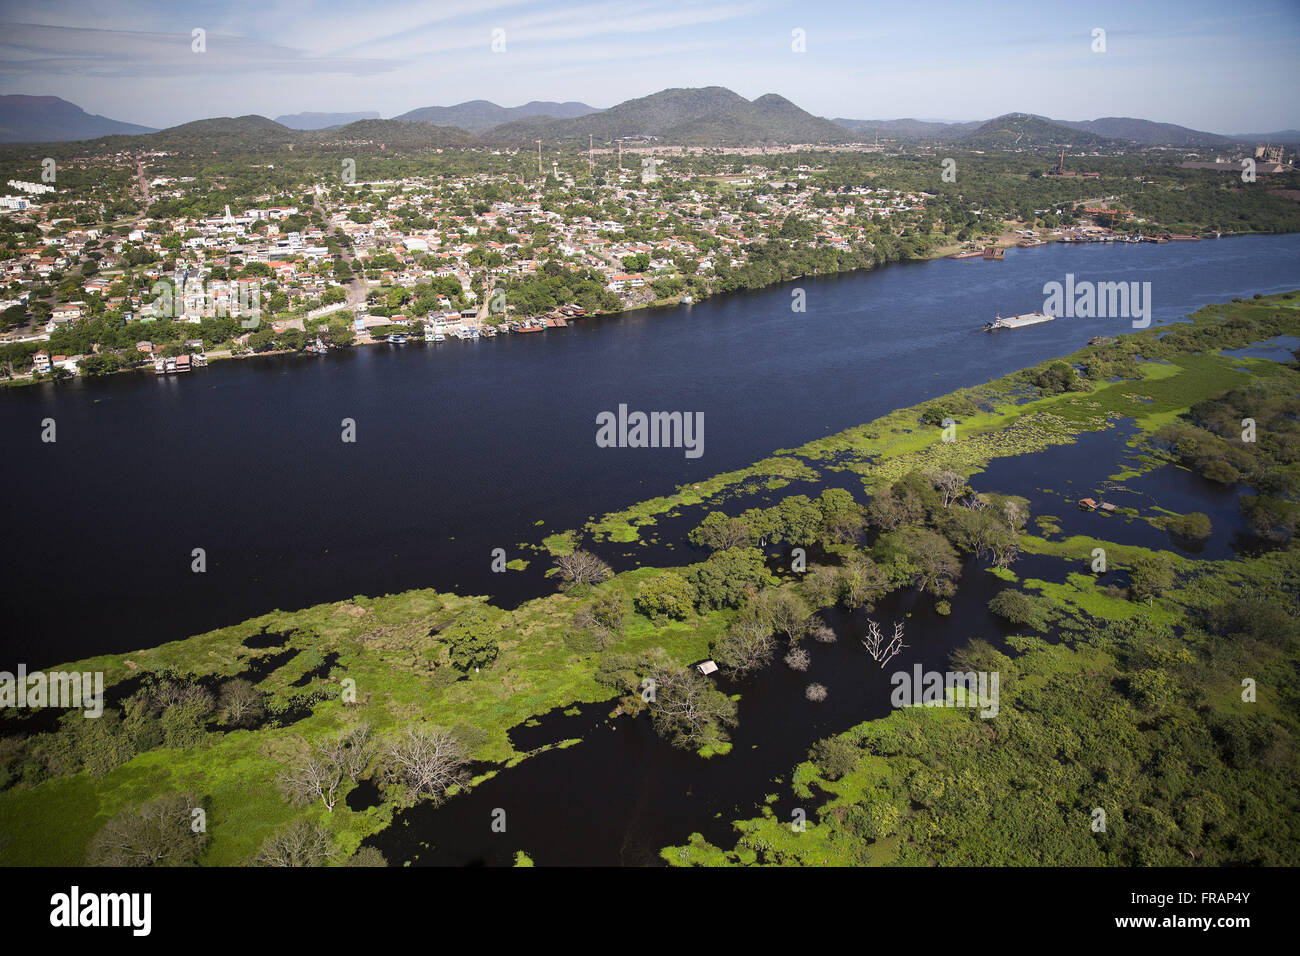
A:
[(942, 252)]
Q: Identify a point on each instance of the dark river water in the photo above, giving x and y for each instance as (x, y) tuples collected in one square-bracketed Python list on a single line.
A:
[(466, 447)]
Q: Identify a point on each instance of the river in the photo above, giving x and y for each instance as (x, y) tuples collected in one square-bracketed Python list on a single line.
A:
[(466, 447)]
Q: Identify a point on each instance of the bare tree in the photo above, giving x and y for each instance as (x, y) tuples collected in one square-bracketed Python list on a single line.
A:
[(949, 483), (317, 772), (878, 646), (820, 631), (428, 760), (582, 567), (797, 659), (179, 693), (351, 750), (895, 645), (874, 641), (815, 693), (301, 843), (157, 833), (745, 648), (240, 703), (312, 776)]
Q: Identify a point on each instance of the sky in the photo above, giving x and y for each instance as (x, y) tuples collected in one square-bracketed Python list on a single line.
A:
[(1217, 66)]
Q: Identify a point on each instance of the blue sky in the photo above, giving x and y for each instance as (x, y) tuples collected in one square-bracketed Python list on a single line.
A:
[(1218, 66)]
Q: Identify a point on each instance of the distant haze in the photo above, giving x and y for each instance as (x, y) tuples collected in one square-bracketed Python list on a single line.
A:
[(1201, 64)]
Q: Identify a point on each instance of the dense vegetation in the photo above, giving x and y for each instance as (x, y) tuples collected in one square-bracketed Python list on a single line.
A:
[(1127, 698)]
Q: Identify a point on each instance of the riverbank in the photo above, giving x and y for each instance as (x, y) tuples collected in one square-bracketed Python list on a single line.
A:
[(389, 645), (630, 308)]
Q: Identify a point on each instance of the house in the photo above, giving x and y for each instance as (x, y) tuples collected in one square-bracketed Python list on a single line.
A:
[(620, 282), (1106, 506), (41, 361), (1087, 504), (706, 667)]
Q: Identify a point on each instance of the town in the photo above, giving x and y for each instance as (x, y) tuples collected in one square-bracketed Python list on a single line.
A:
[(132, 265)]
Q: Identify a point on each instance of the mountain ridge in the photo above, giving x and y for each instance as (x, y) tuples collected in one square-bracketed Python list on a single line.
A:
[(52, 119)]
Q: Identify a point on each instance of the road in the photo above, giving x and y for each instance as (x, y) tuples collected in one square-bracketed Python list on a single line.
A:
[(357, 287)]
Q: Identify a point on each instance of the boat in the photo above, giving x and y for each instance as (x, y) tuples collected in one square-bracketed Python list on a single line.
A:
[(1017, 321), (397, 338), (994, 254), (317, 348), (686, 300), (429, 334)]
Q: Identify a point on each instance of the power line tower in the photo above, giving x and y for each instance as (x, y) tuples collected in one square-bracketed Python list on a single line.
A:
[(591, 153), (539, 157)]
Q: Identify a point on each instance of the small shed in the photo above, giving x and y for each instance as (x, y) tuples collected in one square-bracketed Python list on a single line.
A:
[(706, 667), (1106, 506), (1087, 504)]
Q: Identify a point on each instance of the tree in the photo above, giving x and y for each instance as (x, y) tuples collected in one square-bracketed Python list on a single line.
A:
[(842, 517), (301, 843), (428, 761), (687, 709), (727, 577), (665, 597), (603, 618), (311, 776), (788, 613), (862, 581), (581, 568), (470, 640), (949, 483), (834, 757), (240, 704), (1018, 608), (797, 659), (720, 531), (748, 644), (1151, 576), (157, 833), (932, 559)]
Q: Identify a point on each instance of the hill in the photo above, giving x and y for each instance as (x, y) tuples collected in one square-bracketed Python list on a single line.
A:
[(478, 115), (49, 119), (391, 132), (1284, 136), (705, 116), (1025, 131), (1146, 132), (310, 121), (909, 129)]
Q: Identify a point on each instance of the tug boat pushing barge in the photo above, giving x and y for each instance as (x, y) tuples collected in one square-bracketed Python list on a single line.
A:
[(1017, 321)]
